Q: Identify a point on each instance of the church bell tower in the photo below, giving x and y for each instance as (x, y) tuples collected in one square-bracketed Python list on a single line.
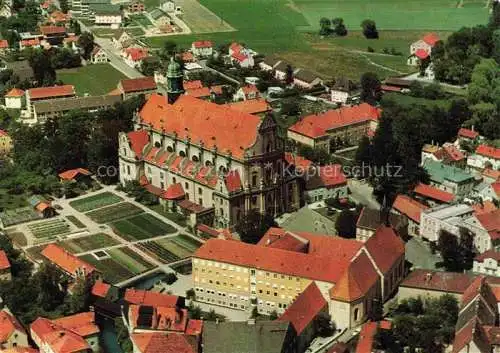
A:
[(175, 78)]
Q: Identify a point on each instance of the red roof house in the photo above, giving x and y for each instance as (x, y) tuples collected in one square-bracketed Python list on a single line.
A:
[(468, 134), (11, 330), (4, 261), (133, 85), (100, 289), (421, 54), (203, 44), (431, 192), (409, 207), (144, 297), (163, 343), (66, 261), (74, 174), (51, 92), (488, 151), (367, 335), (14, 93), (138, 140), (431, 39)]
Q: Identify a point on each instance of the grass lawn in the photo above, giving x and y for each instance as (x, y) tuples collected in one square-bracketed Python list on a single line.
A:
[(76, 221), (97, 79), (173, 216), (158, 251), (133, 262), (113, 272), (407, 100), (115, 212), (141, 20), (142, 226), (88, 243), (95, 201)]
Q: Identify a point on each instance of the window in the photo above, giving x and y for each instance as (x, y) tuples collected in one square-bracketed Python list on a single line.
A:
[(162, 185), (182, 154), (149, 170), (162, 175), (356, 314), (128, 170), (254, 179), (124, 151), (200, 201), (260, 291), (267, 292), (200, 191), (195, 158), (170, 149), (174, 180), (186, 185), (275, 294)]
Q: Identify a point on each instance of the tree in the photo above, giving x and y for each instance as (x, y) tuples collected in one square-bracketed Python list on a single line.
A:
[(377, 312), (190, 293), (449, 248), (148, 67), (80, 298), (50, 294), (325, 26), (466, 242), (40, 62), (369, 29), (253, 226), (289, 75), (122, 335), (86, 42), (496, 46), (273, 315), (345, 225), (323, 325), (339, 27), (194, 312), (363, 155), (74, 27), (168, 50), (63, 4), (494, 22), (371, 90)]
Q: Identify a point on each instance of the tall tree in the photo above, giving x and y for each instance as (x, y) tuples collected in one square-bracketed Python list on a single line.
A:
[(325, 26), (289, 74), (86, 42), (339, 27), (369, 29), (345, 225), (253, 226), (43, 70), (63, 4), (371, 90)]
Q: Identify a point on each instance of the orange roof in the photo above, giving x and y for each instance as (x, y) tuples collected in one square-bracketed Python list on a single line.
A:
[(318, 125), (298, 161), (422, 54), (488, 151), (138, 84), (431, 39), (42, 206), (236, 47), (19, 349), (198, 92), (4, 44), (4, 260), (491, 173), (203, 122), (451, 282), (203, 44), (496, 187), (83, 324), (162, 343), (490, 221), (30, 42), (330, 176), (239, 56), (137, 54), (359, 278), (187, 57), (385, 248), (72, 38), (485, 207), (68, 262), (305, 308), (100, 289), (250, 89), (286, 241), (15, 92), (251, 106), (409, 207), (454, 153), (192, 84), (72, 173), (367, 335), (174, 191), (433, 193), (144, 297), (47, 30), (50, 92), (138, 139), (470, 134), (8, 325)]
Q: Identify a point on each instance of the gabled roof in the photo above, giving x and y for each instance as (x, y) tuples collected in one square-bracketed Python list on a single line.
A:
[(8, 326), (144, 297), (4, 261), (367, 335), (174, 192), (137, 54), (421, 54), (433, 193), (73, 173), (473, 332), (47, 30), (19, 349), (15, 92), (409, 207), (65, 260), (51, 92), (467, 133), (490, 221), (488, 151), (449, 282), (83, 324), (100, 289), (385, 248), (251, 106), (453, 152), (302, 312), (162, 343), (203, 44), (138, 84), (298, 161), (371, 219), (195, 84), (431, 39), (138, 139), (30, 42), (485, 207), (240, 57), (286, 241)]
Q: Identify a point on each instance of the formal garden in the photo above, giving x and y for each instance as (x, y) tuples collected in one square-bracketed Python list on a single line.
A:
[(95, 201), (167, 250), (141, 226), (89, 243), (113, 213)]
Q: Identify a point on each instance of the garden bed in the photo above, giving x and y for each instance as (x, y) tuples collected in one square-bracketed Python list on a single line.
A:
[(49, 229), (18, 215), (76, 222), (88, 243), (114, 213), (95, 201), (142, 226)]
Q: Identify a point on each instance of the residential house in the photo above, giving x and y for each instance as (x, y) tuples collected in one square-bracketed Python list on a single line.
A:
[(447, 154), (490, 176), (343, 91), (431, 195), (269, 63), (54, 35), (58, 18), (467, 135), (4, 46), (368, 333), (412, 209), (72, 334), (105, 291), (255, 106), (241, 56), (136, 86), (449, 178), (202, 48), (325, 182), (344, 125), (148, 298), (246, 93), (120, 38), (47, 93), (78, 175), (486, 229), (429, 284), (136, 6), (422, 48), (12, 334), (14, 99), (443, 218), (42, 206), (302, 314), (487, 263), (187, 57), (485, 157), (5, 274), (98, 55), (250, 337), (108, 15), (29, 43), (70, 264), (370, 219), (133, 56), (44, 110), (164, 343), (306, 79), (5, 143)]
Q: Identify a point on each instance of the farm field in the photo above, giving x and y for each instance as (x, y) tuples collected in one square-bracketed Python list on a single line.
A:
[(88, 243), (95, 201), (75, 221), (11, 217), (141, 226), (18, 238), (201, 20), (49, 229), (141, 20), (97, 79), (115, 212), (169, 250)]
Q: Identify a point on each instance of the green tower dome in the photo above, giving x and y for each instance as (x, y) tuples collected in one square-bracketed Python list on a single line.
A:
[(175, 78)]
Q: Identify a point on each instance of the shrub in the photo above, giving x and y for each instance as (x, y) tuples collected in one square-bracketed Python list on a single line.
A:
[(370, 50), (170, 278)]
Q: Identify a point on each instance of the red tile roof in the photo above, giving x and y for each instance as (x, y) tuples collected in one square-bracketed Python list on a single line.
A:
[(163, 318), (488, 151), (194, 327), (409, 207), (136, 54), (8, 326), (491, 173), (100, 289), (66, 261), (367, 335), (236, 47), (203, 44), (51, 92), (451, 282), (433, 193), (174, 192), (198, 92), (453, 153), (385, 248), (473, 290), (4, 44), (488, 254), (239, 56), (201, 121), (431, 39), (30, 42), (302, 312), (470, 134), (285, 241), (83, 324), (208, 230), (4, 261), (318, 125), (138, 84), (422, 54), (138, 140), (332, 175), (485, 207), (233, 181), (19, 349), (73, 173), (144, 297), (298, 161), (187, 57), (490, 221), (47, 30), (192, 84), (15, 92), (251, 106), (162, 343), (359, 278)]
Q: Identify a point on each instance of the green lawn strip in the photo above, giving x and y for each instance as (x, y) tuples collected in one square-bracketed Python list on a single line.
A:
[(173, 216), (158, 251), (131, 264), (112, 271), (131, 253), (187, 241), (407, 100), (96, 79), (112, 213), (135, 32), (151, 224), (75, 221), (95, 201), (91, 242), (175, 248), (129, 231)]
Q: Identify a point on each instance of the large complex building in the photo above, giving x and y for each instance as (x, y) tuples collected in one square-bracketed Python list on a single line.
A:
[(271, 275), (219, 161)]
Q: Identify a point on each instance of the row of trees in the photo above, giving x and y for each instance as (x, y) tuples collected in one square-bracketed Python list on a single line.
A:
[(337, 27)]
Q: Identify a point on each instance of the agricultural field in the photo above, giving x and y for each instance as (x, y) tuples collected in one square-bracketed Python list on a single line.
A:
[(201, 20), (18, 238), (95, 201), (141, 20), (141, 226), (169, 250), (76, 221), (34, 252), (19, 215), (113, 213), (49, 229), (96, 79), (88, 243)]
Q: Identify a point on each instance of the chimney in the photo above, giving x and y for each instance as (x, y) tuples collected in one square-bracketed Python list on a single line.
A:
[(428, 277)]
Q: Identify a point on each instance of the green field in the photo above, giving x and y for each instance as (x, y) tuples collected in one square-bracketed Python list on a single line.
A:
[(88, 243), (95, 201), (17, 238), (141, 20), (75, 221), (97, 79), (49, 229), (142, 226), (115, 212), (169, 250)]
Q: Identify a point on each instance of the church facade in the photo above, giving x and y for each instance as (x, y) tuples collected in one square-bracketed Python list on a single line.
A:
[(207, 158)]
